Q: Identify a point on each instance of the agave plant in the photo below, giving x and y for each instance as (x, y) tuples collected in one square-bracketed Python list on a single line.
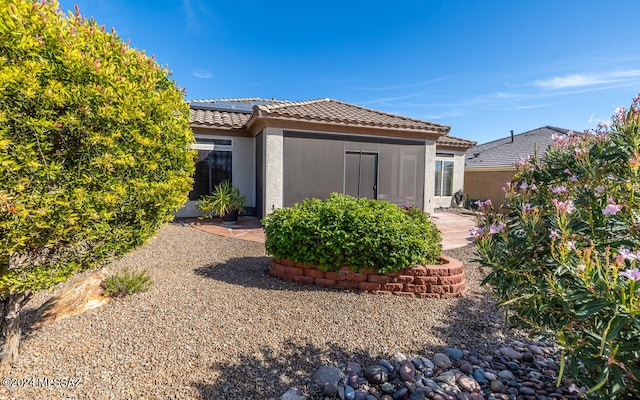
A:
[(225, 199)]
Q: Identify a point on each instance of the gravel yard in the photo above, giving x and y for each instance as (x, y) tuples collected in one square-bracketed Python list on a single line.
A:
[(215, 325)]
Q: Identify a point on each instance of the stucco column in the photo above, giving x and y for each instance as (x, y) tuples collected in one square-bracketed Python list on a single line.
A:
[(429, 175), (273, 168)]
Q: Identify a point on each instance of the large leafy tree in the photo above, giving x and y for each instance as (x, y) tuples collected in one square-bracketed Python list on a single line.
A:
[(94, 154)]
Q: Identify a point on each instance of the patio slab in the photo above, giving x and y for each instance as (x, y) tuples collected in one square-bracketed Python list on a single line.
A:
[(454, 228)]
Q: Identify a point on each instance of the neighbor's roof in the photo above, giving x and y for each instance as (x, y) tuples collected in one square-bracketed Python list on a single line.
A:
[(504, 153), (240, 113)]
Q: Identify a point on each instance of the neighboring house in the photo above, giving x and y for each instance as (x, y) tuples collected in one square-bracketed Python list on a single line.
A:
[(281, 152), (490, 165)]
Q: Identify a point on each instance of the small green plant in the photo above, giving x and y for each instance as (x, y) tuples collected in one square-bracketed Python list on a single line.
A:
[(564, 259), (358, 233), (125, 283), (225, 199)]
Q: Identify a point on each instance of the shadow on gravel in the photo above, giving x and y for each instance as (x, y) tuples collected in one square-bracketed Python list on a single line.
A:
[(266, 375), (251, 272)]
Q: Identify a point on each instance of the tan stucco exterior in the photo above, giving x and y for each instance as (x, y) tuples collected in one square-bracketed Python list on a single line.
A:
[(487, 183)]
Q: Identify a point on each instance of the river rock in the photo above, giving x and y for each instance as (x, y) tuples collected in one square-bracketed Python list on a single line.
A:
[(376, 374), (407, 371), (441, 360), (327, 378)]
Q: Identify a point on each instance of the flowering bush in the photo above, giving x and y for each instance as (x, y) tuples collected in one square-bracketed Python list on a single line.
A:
[(564, 258)]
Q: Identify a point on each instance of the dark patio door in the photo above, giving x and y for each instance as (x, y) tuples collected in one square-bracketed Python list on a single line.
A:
[(361, 174)]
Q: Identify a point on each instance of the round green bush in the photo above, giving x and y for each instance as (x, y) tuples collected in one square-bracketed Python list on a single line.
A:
[(358, 233), (564, 258)]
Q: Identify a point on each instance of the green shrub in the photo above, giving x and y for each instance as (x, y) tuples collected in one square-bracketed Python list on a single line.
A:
[(343, 231), (126, 283), (564, 259), (94, 151)]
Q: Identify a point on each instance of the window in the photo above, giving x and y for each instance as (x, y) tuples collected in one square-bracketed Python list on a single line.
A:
[(213, 164), (444, 178)]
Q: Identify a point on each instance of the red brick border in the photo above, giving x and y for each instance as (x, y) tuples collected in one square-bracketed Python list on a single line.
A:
[(420, 281)]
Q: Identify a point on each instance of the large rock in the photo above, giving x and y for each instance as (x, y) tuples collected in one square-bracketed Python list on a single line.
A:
[(327, 378), (292, 394), (81, 294)]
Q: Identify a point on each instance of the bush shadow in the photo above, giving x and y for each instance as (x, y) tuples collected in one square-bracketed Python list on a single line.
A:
[(268, 374)]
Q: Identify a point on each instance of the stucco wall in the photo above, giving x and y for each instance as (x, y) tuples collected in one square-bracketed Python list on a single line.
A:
[(487, 184), (273, 152), (243, 172), (458, 178)]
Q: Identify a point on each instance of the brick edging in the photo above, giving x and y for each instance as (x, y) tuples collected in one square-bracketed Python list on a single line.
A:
[(422, 281)]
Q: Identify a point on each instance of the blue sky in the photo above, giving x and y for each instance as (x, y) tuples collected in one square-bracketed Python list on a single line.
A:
[(481, 67)]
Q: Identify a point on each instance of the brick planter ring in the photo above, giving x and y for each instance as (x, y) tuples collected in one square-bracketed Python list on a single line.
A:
[(422, 281)]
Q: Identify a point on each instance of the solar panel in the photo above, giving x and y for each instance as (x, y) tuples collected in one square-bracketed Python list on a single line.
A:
[(231, 106)]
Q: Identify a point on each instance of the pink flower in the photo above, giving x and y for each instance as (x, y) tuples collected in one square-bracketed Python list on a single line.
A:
[(484, 205), (533, 186), (477, 232), (621, 115), (495, 228), (526, 207), (524, 186), (612, 208), (581, 267), (564, 206), (554, 234), (626, 254), (573, 178), (559, 189), (599, 189), (632, 274), (567, 171), (571, 244)]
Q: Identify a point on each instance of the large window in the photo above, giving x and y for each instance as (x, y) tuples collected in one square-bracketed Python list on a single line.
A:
[(213, 165), (444, 178)]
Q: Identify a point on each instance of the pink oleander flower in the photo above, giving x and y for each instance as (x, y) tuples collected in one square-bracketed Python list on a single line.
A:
[(564, 206), (554, 234), (621, 115), (477, 232), (599, 189), (533, 186), (612, 208), (484, 205), (573, 178), (633, 274), (581, 267), (626, 254), (559, 189), (524, 186), (495, 228), (526, 207), (567, 171), (571, 245)]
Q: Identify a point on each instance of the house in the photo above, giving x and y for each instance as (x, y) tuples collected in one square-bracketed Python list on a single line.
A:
[(281, 152), (490, 165)]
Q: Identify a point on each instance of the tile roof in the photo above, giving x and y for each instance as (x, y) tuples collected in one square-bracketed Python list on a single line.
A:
[(338, 112), (240, 113), (453, 141), (504, 153)]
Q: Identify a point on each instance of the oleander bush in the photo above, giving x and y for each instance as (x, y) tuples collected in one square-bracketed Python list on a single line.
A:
[(358, 233), (94, 151), (564, 258)]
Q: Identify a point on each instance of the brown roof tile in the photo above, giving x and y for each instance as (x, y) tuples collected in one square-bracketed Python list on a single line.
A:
[(455, 142), (338, 112), (218, 113), (220, 119)]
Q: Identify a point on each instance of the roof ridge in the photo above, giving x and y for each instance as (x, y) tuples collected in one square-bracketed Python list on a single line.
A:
[(390, 114), (287, 103)]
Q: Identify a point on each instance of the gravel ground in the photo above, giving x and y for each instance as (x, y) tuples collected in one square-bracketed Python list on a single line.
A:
[(215, 325)]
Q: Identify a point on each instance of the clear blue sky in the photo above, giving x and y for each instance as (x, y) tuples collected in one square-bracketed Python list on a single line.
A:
[(481, 67)]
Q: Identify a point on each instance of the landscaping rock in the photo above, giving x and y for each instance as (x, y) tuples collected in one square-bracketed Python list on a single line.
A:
[(376, 374), (327, 378)]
